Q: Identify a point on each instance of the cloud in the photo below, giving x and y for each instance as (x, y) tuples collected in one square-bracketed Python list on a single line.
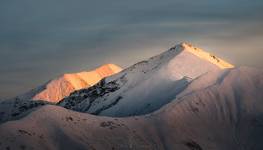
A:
[(42, 39)]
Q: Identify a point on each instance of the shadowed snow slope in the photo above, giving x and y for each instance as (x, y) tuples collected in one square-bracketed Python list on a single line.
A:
[(62, 86), (147, 85), (220, 110)]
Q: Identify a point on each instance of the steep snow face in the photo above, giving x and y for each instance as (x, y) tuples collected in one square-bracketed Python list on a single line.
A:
[(223, 113), (145, 86), (61, 87)]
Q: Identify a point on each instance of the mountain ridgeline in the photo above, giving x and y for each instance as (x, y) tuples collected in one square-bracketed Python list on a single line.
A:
[(181, 99), (58, 88), (147, 85), (53, 91)]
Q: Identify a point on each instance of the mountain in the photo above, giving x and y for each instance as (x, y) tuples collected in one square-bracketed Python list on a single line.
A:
[(52, 92), (218, 110), (58, 88), (137, 90), (147, 85)]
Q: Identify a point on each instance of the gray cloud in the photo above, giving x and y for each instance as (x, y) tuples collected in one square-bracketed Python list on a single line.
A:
[(42, 39)]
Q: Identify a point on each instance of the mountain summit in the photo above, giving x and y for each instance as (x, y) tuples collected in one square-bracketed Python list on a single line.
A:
[(58, 88), (147, 85)]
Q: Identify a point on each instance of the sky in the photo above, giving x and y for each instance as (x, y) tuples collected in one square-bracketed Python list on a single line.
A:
[(40, 40)]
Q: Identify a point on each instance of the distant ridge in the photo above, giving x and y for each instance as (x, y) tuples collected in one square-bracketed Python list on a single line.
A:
[(57, 89)]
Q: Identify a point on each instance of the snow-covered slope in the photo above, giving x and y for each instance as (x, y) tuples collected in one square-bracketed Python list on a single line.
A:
[(13, 109), (221, 110), (145, 86), (57, 89)]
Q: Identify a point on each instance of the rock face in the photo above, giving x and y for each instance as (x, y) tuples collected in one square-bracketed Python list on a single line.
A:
[(62, 86), (220, 110), (147, 85)]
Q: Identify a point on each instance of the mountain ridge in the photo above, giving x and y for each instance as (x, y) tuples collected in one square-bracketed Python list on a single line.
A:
[(169, 72), (175, 100), (174, 68), (62, 86), (52, 92)]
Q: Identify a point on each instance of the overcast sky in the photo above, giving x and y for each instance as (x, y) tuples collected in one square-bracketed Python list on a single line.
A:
[(41, 39)]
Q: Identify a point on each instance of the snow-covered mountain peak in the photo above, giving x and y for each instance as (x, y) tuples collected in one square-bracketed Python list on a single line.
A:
[(139, 89)]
